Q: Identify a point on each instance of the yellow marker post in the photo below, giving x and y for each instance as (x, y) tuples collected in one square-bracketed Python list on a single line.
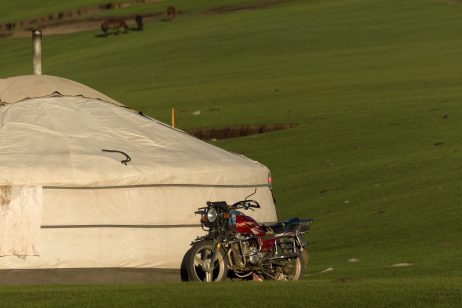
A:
[(173, 117)]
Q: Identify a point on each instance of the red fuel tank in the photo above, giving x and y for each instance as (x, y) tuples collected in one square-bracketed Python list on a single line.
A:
[(244, 224)]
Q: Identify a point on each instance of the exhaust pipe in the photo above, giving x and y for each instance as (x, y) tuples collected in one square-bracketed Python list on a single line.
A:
[(37, 51)]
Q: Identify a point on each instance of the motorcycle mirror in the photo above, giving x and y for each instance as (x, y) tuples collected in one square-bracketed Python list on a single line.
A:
[(251, 194)]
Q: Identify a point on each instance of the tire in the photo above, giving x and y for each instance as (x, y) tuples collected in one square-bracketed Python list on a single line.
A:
[(295, 268), (198, 260)]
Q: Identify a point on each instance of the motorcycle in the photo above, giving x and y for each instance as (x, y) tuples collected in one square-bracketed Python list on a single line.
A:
[(236, 242)]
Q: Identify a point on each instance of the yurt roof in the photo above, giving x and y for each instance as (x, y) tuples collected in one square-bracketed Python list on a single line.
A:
[(16, 89), (53, 132)]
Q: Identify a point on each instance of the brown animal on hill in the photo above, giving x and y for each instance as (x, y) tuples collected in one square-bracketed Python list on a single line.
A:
[(171, 12), (114, 24)]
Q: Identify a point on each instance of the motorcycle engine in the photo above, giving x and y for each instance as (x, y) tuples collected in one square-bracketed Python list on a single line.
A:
[(250, 251), (253, 256), (245, 252)]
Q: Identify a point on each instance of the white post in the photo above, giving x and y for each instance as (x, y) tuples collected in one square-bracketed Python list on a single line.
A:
[(37, 49)]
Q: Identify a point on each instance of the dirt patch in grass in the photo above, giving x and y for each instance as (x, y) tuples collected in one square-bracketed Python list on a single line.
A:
[(92, 23), (246, 6), (237, 131)]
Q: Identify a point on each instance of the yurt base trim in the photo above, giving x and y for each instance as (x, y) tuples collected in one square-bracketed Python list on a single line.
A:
[(155, 185), (90, 276), (119, 226), (130, 226)]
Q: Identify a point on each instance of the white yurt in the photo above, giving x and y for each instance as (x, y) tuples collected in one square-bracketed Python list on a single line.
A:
[(91, 190)]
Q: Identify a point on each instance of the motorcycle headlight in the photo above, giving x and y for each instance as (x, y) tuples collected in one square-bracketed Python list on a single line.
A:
[(212, 215)]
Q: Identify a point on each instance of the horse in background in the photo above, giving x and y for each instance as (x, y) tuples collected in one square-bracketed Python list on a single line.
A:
[(139, 23), (171, 13), (114, 24)]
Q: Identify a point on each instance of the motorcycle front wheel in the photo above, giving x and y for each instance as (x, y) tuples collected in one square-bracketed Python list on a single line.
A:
[(199, 263)]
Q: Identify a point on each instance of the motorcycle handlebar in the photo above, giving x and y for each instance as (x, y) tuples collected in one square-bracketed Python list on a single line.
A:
[(246, 204)]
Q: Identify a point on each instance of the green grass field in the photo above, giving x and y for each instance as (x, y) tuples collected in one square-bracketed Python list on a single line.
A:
[(375, 87), (308, 293)]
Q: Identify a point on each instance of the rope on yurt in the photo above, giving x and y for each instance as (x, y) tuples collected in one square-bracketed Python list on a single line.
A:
[(124, 161)]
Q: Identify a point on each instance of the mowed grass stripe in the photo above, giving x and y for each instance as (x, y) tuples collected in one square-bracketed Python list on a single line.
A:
[(346, 292)]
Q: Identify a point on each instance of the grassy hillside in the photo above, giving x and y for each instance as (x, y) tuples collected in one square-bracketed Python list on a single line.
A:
[(374, 86)]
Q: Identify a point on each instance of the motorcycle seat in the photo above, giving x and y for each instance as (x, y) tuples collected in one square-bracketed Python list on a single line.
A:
[(282, 227), (276, 228)]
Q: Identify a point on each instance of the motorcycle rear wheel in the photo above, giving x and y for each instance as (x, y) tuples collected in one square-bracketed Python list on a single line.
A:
[(198, 263), (295, 268)]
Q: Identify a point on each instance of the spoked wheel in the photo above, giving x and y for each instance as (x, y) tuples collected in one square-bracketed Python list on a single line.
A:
[(199, 264), (294, 268)]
